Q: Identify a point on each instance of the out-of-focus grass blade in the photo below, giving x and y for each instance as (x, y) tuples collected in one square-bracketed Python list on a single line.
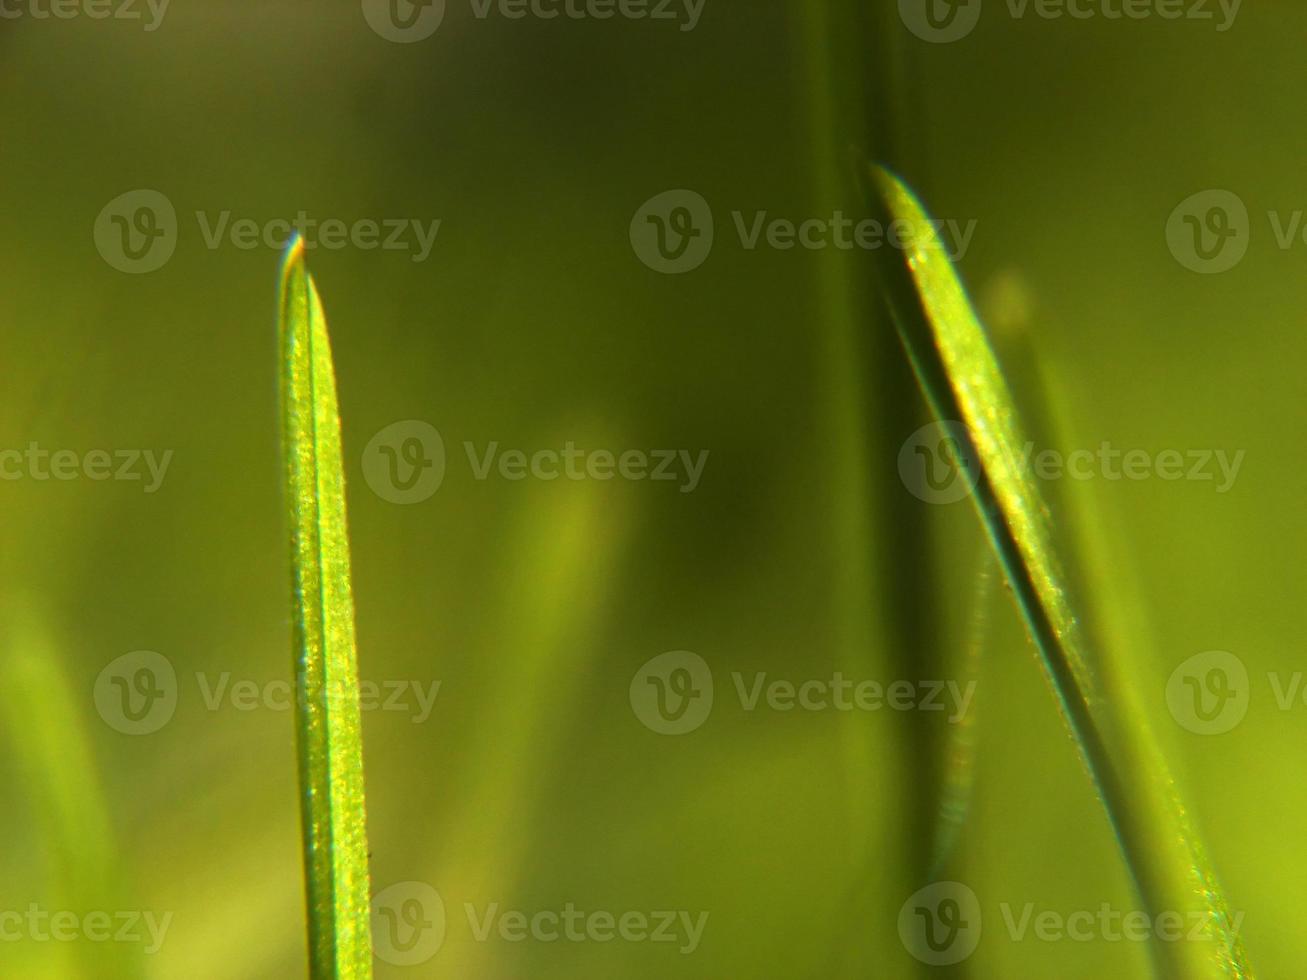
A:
[(565, 562), (48, 740), (327, 709), (962, 381), (959, 774)]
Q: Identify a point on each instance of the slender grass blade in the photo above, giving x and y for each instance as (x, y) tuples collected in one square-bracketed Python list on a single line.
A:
[(327, 709), (961, 379)]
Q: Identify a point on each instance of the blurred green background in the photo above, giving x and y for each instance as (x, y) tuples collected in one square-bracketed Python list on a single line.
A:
[(534, 783)]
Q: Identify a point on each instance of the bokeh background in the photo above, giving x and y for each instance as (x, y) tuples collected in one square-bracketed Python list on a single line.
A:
[(534, 783)]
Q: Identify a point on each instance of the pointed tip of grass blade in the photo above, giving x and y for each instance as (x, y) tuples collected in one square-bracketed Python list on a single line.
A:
[(960, 377), (300, 308), (292, 261), (327, 710)]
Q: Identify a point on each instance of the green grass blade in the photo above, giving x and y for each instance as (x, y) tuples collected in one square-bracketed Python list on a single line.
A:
[(327, 709), (960, 744), (960, 376), (44, 723), (564, 562)]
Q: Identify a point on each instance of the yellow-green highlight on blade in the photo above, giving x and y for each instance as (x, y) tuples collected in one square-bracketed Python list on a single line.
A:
[(960, 376), (328, 724)]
